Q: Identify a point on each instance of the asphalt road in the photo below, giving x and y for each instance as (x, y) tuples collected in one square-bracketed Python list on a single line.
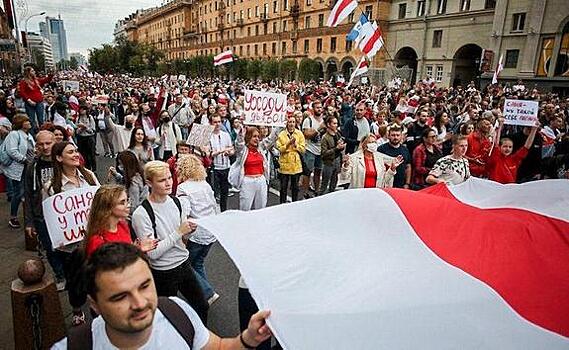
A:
[(223, 315)]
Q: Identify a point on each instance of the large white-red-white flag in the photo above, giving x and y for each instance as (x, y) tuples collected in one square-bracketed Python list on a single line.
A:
[(372, 42), (478, 265), (499, 68), (222, 58), (341, 11)]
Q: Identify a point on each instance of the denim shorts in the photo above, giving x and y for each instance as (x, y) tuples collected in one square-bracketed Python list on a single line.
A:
[(312, 161)]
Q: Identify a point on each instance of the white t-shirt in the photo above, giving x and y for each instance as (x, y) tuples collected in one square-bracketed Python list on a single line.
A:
[(164, 335), (218, 142), (311, 146)]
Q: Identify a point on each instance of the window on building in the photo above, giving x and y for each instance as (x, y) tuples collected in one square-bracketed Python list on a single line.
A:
[(437, 38), (249, 13), (402, 10), (234, 33), (256, 49), (248, 31), (274, 27), (283, 50), (319, 45), (321, 20), (275, 6), (333, 44), (256, 11), (265, 28), (518, 22), (489, 4), (511, 58), (307, 22), (257, 30), (248, 51), (369, 12), (265, 49), (294, 47), (306, 45), (562, 64), (240, 50), (349, 45), (439, 74), (464, 5), (441, 7), (284, 26), (285, 5), (274, 48), (429, 71), (228, 18), (266, 9), (241, 14), (308, 2)]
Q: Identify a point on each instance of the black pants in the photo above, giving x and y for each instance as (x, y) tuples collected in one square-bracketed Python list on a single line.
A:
[(221, 182), (247, 308), (182, 279), (285, 179), (86, 146)]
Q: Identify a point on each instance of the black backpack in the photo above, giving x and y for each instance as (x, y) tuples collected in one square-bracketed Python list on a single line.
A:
[(146, 205), (81, 337)]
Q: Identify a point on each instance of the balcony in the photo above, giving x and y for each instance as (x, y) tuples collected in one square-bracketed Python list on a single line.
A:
[(240, 22), (295, 10), (264, 17)]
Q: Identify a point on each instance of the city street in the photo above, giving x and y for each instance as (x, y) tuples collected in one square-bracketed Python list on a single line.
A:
[(223, 317)]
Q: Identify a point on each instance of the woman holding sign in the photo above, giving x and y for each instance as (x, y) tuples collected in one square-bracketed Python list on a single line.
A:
[(69, 174)]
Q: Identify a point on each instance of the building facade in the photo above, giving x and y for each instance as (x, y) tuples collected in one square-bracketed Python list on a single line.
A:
[(255, 29), (38, 45), (54, 30), (8, 53)]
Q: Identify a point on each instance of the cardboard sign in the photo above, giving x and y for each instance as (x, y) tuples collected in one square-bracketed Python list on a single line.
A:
[(520, 112), (265, 108), (200, 135), (70, 85), (66, 215)]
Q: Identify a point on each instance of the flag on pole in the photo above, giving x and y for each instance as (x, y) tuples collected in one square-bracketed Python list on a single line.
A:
[(499, 68), (223, 58), (354, 34), (491, 273), (371, 44), (341, 11), (363, 66)]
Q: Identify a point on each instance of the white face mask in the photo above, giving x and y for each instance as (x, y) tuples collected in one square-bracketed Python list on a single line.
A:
[(372, 146)]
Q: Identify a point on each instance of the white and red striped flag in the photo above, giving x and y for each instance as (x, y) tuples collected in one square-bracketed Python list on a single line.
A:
[(341, 11), (372, 43), (362, 67), (223, 58), (499, 68), (488, 271)]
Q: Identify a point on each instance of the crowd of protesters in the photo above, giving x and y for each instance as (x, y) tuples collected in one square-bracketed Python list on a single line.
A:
[(399, 135)]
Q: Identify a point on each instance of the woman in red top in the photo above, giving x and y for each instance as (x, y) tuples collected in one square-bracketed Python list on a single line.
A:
[(503, 164), (108, 216), (254, 171), (30, 89)]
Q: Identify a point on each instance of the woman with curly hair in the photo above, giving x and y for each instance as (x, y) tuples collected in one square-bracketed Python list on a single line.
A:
[(198, 193)]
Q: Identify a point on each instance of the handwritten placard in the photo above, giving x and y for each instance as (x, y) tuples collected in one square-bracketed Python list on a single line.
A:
[(200, 135), (66, 215), (265, 108), (520, 112), (70, 85)]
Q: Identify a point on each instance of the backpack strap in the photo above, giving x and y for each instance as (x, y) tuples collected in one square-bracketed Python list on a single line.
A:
[(178, 204), (178, 319), (80, 337), (146, 205)]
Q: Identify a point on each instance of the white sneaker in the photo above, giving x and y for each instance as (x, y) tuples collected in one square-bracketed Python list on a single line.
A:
[(234, 190), (213, 299), (60, 284)]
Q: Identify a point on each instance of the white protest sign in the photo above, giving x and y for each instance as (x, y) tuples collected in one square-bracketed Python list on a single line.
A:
[(66, 215), (200, 135), (70, 85), (520, 112), (182, 77), (265, 108)]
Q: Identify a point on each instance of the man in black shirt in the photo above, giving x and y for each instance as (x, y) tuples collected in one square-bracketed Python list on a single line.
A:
[(394, 148), (416, 129), (531, 167)]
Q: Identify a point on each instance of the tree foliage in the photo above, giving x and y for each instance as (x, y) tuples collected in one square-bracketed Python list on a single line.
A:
[(308, 70), (125, 57)]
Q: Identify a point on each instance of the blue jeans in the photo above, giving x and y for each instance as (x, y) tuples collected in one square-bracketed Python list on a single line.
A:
[(198, 252), (33, 112), (54, 257), (16, 193)]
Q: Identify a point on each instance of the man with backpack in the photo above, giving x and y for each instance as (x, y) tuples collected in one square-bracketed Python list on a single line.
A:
[(122, 290), (161, 216)]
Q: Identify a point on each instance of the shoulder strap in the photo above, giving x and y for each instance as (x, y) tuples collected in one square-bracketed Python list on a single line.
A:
[(146, 205), (178, 204), (178, 319), (80, 337)]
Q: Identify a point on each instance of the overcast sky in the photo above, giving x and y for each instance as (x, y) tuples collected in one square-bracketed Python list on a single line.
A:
[(88, 23)]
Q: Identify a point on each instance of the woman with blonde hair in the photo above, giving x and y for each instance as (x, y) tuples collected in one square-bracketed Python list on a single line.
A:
[(201, 200), (367, 168)]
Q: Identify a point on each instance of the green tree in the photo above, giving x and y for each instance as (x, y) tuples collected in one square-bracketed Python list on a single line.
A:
[(239, 68), (39, 60), (288, 69), (254, 69), (270, 70), (308, 69), (73, 63)]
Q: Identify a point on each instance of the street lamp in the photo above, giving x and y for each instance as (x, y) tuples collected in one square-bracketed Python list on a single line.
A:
[(29, 54)]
